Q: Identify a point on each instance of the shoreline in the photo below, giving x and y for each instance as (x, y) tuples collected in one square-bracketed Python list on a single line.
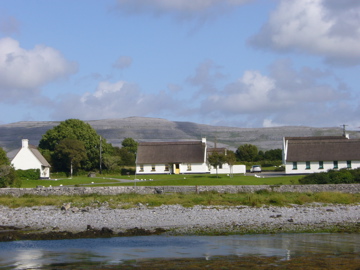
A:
[(49, 222)]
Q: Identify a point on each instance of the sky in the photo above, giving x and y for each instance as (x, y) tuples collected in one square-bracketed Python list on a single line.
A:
[(240, 63)]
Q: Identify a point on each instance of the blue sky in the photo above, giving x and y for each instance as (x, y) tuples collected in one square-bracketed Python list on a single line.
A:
[(244, 63)]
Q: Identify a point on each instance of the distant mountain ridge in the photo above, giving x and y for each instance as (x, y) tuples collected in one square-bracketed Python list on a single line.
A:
[(156, 129)]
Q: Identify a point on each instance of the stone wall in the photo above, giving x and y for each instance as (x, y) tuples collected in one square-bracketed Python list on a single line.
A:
[(46, 191)]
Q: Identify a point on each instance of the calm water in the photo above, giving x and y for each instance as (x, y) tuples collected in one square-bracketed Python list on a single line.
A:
[(35, 254)]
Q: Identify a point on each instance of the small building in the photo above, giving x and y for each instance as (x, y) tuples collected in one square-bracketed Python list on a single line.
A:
[(181, 157), (29, 157), (304, 155)]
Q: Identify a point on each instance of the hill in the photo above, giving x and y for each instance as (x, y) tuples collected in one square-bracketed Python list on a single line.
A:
[(155, 129)]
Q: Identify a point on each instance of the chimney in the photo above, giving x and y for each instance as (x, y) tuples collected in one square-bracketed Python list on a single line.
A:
[(203, 140), (25, 143)]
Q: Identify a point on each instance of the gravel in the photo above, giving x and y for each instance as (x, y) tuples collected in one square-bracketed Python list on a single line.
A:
[(181, 219)]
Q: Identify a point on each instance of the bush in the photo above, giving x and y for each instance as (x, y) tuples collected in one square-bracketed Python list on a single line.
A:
[(343, 176), (8, 177), (127, 171), (31, 174)]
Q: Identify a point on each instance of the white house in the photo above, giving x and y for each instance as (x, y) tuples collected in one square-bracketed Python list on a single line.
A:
[(182, 157), (29, 157), (303, 155)]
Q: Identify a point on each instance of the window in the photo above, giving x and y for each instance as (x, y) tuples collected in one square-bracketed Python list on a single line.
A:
[(189, 167), (294, 165), (336, 164), (321, 164), (153, 168), (166, 167), (220, 166), (307, 165), (348, 164), (141, 167)]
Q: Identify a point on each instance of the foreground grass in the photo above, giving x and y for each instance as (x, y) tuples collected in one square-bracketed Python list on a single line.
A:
[(165, 180), (257, 199)]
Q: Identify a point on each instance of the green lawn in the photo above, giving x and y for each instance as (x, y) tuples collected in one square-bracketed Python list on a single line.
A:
[(79, 180), (165, 180)]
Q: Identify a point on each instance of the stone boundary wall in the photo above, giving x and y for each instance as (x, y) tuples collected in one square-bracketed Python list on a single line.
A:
[(114, 190)]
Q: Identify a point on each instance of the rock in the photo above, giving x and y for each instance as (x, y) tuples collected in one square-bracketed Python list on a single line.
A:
[(66, 207)]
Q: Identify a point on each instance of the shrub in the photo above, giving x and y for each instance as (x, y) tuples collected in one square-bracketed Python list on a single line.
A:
[(31, 174), (343, 176), (127, 171)]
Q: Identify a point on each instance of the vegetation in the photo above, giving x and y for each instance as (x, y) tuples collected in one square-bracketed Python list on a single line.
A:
[(248, 154), (343, 176), (8, 177), (76, 130), (163, 180), (216, 159), (72, 152), (31, 174), (187, 200)]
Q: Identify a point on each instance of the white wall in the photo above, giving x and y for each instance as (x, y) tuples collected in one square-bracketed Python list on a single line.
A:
[(314, 167), (26, 160), (160, 169), (236, 169)]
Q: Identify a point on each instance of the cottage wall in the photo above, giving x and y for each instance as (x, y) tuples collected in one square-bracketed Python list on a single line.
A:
[(25, 160), (314, 167), (160, 168), (226, 169)]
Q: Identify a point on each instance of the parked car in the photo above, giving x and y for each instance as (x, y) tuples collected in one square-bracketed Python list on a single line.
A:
[(256, 168)]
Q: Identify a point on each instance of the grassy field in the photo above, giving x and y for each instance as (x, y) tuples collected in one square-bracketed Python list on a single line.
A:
[(164, 180)]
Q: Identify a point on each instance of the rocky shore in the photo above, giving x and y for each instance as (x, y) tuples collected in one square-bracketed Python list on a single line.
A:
[(70, 222)]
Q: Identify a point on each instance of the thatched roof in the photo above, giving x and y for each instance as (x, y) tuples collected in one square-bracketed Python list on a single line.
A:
[(170, 152), (327, 148), (39, 156)]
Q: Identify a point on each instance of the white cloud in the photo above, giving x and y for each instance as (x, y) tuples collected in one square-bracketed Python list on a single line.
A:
[(24, 71), (284, 97), (182, 9), (114, 100), (319, 27)]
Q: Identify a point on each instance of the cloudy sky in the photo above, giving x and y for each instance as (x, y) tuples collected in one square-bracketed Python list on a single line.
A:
[(244, 63)]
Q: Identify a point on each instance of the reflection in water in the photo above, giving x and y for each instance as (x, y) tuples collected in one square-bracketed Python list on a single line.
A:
[(34, 254)]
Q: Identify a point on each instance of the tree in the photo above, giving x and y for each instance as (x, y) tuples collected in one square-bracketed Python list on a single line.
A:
[(8, 177), (4, 160), (273, 154), (70, 152), (247, 152), (216, 159), (111, 162), (230, 159), (78, 130), (127, 152), (130, 144)]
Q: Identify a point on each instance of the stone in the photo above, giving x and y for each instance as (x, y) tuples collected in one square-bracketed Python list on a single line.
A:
[(66, 207)]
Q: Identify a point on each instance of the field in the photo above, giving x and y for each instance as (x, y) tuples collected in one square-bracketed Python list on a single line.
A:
[(164, 180)]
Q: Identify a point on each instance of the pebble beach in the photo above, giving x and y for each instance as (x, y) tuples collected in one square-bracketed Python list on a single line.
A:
[(178, 219)]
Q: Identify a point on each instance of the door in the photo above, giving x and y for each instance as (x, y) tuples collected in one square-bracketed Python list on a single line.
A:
[(177, 168)]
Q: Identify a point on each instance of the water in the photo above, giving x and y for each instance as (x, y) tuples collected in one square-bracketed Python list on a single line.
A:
[(36, 254)]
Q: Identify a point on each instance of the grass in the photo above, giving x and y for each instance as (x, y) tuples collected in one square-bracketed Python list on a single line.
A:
[(164, 180), (256, 199), (79, 180)]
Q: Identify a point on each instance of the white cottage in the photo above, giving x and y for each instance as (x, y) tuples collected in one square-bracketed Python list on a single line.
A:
[(303, 155), (182, 157), (29, 157)]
